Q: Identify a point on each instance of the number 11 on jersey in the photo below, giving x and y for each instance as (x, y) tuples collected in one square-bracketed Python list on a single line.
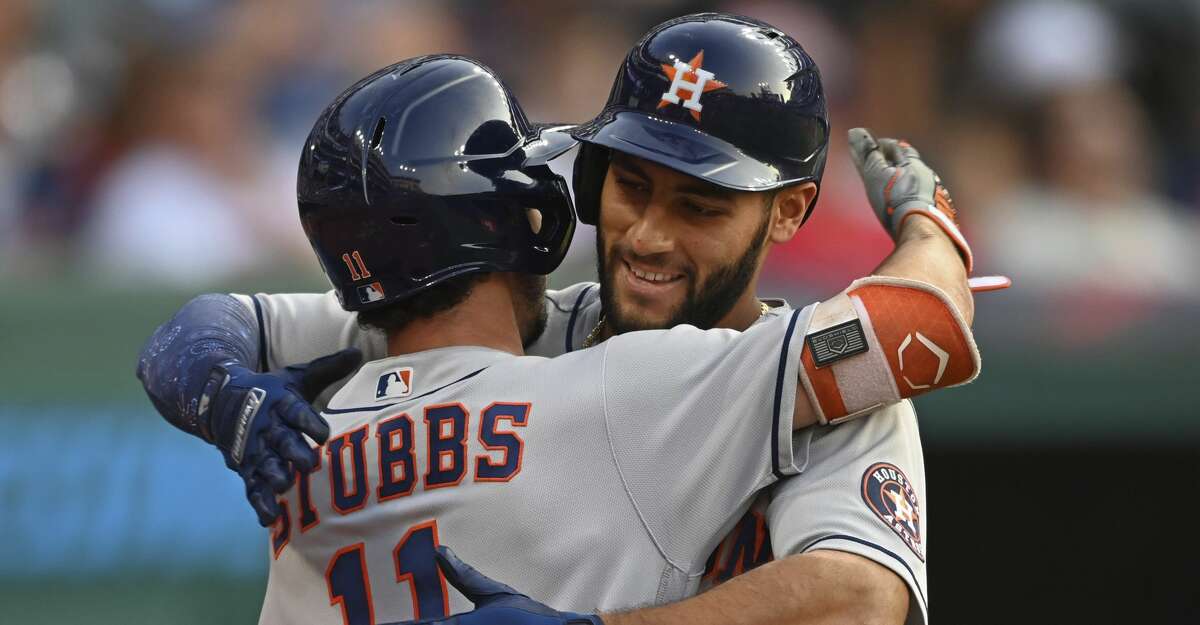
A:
[(350, 584)]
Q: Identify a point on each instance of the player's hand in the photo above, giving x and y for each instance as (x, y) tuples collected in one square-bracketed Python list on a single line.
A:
[(900, 185), (257, 419), (495, 603)]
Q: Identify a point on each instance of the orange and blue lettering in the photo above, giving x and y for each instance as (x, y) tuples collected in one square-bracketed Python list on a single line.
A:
[(283, 528), (446, 426), (510, 446), (397, 475), (347, 498), (416, 565), (350, 586), (309, 517)]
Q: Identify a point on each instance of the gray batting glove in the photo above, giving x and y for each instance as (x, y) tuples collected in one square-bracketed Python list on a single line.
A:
[(899, 185)]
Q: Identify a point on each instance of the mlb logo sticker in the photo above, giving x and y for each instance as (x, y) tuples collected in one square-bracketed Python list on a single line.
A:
[(394, 384), (370, 293)]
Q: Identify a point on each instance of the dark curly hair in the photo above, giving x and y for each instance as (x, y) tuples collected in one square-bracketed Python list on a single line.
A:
[(435, 299)]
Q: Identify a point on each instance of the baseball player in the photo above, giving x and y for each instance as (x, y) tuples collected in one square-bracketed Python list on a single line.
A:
[(294, 328)]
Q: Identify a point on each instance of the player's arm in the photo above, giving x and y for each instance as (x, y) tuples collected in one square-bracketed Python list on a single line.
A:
[(916, 210), (845, 564), (258, 333), (200, 369), (751, 599), (867, 479), (906, 329), (821, 588), (924, 253)]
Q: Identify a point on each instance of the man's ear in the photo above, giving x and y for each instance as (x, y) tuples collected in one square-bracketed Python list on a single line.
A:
[(791, 204)]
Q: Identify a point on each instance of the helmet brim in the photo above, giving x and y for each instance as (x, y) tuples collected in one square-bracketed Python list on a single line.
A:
[(684, 149), (552, 141)]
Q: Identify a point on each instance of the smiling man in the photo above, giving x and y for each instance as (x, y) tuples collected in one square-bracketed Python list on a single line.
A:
[(709, 152), (651, 279)]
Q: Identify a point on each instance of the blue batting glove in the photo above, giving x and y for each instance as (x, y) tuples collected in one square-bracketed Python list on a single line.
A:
[(495, 603), (257, 419)]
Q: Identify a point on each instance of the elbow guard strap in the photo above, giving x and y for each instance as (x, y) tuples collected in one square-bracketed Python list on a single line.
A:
[(880, 341)]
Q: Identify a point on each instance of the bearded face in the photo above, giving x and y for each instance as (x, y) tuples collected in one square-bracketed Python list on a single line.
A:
[(673, 249)]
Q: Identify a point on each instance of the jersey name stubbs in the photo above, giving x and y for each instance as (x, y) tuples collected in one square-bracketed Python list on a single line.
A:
[(398, 471)]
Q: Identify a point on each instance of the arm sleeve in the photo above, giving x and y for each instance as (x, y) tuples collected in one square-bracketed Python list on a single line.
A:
[(298, 327), (862, 491), (698, 422), (175, 363)]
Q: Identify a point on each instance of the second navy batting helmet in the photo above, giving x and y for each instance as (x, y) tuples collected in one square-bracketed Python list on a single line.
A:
[(727, 99), (426, 170)]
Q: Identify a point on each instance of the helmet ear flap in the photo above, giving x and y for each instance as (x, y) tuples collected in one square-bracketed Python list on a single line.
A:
[(591, 166), (550, 218)]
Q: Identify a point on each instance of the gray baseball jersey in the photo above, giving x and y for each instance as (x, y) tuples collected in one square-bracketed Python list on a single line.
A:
[(300, 327), (861, 490), (585, 486)]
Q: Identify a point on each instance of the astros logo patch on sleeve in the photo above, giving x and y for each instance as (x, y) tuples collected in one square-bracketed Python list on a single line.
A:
[(889, 494)]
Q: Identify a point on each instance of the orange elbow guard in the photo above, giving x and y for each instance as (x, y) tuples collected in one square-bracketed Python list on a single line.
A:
[(880, 341)]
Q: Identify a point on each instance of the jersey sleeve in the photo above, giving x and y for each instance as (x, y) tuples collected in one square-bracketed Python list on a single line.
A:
[(862, 491), (571, 315), (298, 327), (698, 422)]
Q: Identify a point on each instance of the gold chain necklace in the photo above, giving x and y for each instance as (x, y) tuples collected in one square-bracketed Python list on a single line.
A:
[(590, 341)]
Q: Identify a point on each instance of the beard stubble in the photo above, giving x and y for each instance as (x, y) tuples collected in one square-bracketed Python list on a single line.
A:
[(702, 307)]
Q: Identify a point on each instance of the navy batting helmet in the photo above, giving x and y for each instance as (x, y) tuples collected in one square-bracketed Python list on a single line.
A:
[(727, 99), (426, 170)]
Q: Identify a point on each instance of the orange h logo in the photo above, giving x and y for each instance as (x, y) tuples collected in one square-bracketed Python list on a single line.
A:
[(689, 78)]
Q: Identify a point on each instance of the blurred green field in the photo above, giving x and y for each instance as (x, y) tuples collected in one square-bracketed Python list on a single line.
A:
[(71, 341), (132, 600)]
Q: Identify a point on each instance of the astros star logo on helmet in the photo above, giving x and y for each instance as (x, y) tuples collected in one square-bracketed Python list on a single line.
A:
[(691, 79)]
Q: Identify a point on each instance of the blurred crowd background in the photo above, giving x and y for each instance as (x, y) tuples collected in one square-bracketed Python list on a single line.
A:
[(140, 136), (148, 151)]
